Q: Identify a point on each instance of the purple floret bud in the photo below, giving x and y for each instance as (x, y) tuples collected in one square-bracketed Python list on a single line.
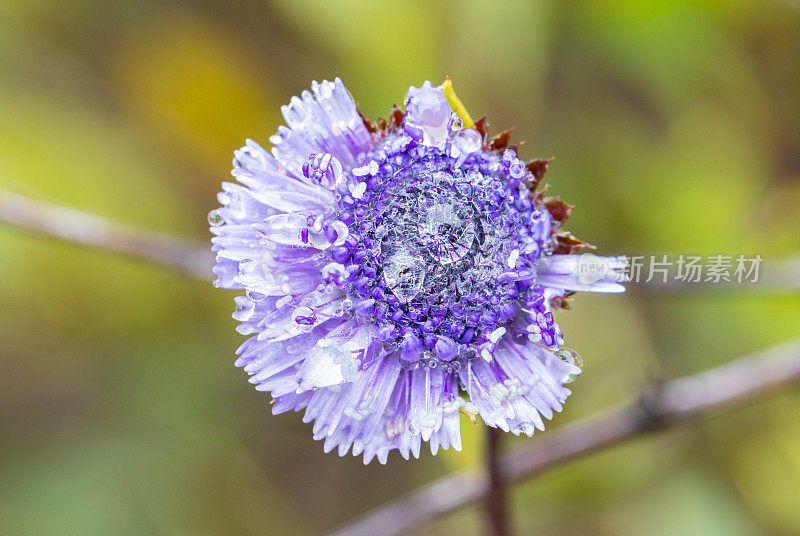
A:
[(410, 350), (365, 307), (334, 273), (387, 332), (428, 114), (541, 221), (323, 169), (446, 348)]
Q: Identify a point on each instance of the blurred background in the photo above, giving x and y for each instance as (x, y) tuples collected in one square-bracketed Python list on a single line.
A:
[(675, 126)]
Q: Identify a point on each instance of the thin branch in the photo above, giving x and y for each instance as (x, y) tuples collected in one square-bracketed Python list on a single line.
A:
[(92, 231), (496, 503), (664, 407), (778, 277)]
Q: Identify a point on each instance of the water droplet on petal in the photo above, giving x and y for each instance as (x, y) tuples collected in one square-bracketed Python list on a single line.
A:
[(255, 296), (570, 356), (305, 317), (215, 219)]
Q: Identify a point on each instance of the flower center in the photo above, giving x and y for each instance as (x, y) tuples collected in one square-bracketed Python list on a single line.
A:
[(427, 234), (441, 250)]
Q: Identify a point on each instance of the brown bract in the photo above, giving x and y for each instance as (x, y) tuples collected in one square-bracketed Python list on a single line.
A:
[(383, 126), (482, 127), (537, 167), (558, 209), (566, 243), (499, 141), (562, 302)]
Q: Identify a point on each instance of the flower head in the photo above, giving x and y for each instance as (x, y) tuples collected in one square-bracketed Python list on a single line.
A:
[(398, 274)]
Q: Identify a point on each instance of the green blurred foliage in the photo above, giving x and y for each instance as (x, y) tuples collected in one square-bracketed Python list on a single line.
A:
[(676, 126)]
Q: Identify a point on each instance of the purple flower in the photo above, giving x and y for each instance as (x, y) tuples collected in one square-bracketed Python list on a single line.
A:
[(398, 276)]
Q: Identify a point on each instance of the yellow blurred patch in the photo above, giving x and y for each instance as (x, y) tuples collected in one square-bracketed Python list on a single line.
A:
[(198, 87), (767, 468)]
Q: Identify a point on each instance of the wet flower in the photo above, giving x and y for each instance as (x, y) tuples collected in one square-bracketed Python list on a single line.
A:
[(399, 274)]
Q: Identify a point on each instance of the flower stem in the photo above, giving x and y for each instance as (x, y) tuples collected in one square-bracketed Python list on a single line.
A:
[(496, 505)]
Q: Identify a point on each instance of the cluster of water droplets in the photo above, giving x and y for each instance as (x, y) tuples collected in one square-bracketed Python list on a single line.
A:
[(430, 237), (442, 246)]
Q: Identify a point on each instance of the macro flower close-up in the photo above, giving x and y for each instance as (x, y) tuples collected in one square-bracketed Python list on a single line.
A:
[(363, 268), (400, 273)]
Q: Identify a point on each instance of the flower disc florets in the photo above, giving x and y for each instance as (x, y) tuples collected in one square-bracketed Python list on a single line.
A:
[(442, 247)]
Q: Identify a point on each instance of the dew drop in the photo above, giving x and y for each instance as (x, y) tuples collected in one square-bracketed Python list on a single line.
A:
[(255, 296), (456, 123), (468, 141), (215, 219), (304, 316), (447, 234), (570, 356), (346, 307), (404, 273)]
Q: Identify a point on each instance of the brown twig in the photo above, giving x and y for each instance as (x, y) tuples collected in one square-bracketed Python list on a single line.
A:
[(664, 407), (778, 277), (98, 233)]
